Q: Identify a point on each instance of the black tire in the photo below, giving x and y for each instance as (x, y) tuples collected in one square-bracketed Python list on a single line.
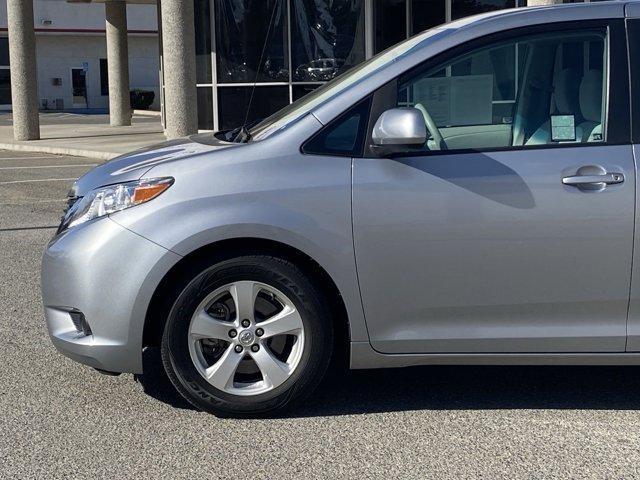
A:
[(318, 338)]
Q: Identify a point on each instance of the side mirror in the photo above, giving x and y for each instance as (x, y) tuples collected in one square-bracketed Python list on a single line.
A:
[(399, 130)]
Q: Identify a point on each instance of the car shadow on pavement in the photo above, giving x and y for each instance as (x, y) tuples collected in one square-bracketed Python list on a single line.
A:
[(345, 392)]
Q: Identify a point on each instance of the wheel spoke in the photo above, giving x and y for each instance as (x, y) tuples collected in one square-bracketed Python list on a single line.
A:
[(274, 372), (221, 373), (205, 326), (287, 321), (244, 296)]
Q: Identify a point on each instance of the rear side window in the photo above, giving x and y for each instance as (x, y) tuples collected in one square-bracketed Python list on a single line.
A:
[(634, 56), (344, 136)]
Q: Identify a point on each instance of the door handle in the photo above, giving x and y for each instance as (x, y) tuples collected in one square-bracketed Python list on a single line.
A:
[(603, 179)]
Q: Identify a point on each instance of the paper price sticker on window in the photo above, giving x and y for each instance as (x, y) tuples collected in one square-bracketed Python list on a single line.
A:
[(563, 128)]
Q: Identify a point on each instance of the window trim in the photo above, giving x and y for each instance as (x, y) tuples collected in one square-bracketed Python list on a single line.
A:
[(618, 113), (361, 138)]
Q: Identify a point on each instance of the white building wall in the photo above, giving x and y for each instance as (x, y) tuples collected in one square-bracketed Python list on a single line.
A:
[(58, 54), (88, 16)]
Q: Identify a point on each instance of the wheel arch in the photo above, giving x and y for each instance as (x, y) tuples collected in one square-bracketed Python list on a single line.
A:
[(184, 270)]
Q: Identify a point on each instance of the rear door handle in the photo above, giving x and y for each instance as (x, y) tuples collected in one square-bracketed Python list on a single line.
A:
[(604, 179)]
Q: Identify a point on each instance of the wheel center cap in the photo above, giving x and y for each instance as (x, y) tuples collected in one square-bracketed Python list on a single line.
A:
[(246, 337)]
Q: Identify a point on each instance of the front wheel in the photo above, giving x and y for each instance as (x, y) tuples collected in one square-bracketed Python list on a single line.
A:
[(247, 336)]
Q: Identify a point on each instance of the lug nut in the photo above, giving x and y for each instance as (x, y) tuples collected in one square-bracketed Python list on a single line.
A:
[(255, 347), (238, 349), (259, 332), (233, 333), (246, 323)]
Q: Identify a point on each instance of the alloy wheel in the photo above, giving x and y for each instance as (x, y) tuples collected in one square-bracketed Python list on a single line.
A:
[(246, 338)]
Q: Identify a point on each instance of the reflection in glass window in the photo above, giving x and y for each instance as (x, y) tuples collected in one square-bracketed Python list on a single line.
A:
[(390, 23), (427, 14), (327, 38), (5, 87), (233, 102), (241, 30), (465, 8), (203, 41)]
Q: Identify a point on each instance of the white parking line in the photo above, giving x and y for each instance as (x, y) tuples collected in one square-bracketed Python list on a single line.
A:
[(51, 166), (39, 180)]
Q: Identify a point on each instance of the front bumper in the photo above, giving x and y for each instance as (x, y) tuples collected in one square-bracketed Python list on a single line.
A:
[(108, 274)]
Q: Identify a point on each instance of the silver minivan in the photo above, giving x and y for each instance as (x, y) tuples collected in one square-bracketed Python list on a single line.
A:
[(465, 197)]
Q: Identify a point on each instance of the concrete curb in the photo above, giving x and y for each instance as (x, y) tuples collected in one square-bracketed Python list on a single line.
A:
[(73, 152), (148, 113)]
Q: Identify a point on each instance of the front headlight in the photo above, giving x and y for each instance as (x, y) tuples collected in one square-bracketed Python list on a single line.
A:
[(113, 198)]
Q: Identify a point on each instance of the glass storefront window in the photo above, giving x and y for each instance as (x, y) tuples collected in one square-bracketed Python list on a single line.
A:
[(427, 14), (203, 41), (465, 8), (300, 91), (5, 87), (390, 22), (241, 31), (313, 41), (205, 108), (4, 51), (327, 38), (233, 102)]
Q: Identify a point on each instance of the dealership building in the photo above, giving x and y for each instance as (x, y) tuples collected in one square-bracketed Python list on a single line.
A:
[(212, 52), (71, 54)]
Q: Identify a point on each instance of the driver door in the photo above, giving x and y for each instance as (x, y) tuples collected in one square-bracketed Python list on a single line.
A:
[(484, 244)]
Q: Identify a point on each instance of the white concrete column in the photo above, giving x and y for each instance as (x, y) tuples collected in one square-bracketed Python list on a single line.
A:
[(179, 68), (24, 72), (118, 63)]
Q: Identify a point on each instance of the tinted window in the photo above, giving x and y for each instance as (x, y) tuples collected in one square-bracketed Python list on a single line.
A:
[(634, 45), (344, 136)]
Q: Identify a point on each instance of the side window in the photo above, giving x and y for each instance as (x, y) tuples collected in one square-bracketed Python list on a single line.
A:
[(634, 56), (344, 136), (534, 90)]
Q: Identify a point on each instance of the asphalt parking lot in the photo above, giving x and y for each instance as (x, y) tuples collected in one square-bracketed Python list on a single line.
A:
[(59, 419)]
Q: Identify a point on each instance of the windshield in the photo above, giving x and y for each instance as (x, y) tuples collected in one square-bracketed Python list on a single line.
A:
[(297, 109)]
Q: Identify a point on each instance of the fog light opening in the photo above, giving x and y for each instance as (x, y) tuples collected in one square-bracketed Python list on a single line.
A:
[(81, 324)]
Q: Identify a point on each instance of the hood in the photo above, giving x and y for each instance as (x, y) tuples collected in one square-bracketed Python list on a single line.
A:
[(132, 166)]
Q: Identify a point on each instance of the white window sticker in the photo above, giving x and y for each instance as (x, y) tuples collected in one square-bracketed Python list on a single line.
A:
[(563, 128)]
